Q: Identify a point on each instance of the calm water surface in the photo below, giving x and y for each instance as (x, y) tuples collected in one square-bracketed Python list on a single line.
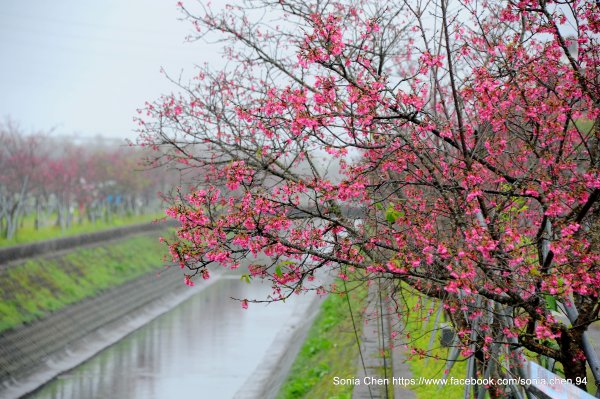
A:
[(206, 347)]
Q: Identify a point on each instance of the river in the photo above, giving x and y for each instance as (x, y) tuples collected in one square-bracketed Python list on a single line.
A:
[(206, 347)]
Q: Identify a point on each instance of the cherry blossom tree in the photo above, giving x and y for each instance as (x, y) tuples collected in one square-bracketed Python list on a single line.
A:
[(20, 156), (53, 176), (446, 147)]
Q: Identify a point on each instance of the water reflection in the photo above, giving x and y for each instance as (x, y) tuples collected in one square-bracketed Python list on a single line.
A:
[(204, 348)]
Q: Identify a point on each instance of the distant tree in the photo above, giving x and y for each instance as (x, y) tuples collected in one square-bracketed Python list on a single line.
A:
[(19, 162), (466, 131), (48, 176), (65, 174)]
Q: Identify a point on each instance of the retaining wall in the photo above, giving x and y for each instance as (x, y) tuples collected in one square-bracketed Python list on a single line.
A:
[(10, 254), (26, 350)]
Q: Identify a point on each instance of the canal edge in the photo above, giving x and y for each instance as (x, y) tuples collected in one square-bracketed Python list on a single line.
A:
[(273, 369), (74, 352)]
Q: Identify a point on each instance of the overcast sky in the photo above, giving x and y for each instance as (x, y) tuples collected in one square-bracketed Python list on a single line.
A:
[(84, 67)]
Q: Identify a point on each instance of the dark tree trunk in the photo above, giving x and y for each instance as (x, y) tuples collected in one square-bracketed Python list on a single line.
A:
[(573, 361)]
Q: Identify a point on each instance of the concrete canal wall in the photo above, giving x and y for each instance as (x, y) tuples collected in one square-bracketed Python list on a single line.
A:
[(24, 348), (45, 348), (33, 353), (266, 381), (18, 252)]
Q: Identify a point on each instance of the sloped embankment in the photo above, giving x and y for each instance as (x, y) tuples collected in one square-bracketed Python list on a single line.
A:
[(42, 285), (51, 301)]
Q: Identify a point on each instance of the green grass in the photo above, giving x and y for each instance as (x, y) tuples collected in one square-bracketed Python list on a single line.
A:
[(433, 365), (27, 233), (43, 285), (329, 350)]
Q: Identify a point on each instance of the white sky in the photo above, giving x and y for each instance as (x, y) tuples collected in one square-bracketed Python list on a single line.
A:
[(84, 67)]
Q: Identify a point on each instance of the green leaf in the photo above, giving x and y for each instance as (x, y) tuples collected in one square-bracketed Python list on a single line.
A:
[(391, 214), (286, 262), (551, 303), (278, 272), (523, 209), (245, 278)]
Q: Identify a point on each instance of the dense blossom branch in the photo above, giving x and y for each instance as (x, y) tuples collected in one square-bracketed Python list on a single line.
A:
[(450, 148)]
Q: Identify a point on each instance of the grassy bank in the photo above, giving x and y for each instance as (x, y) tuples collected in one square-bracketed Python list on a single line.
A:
[(27, 233), (329, 350), (42, 285), (432, 366)]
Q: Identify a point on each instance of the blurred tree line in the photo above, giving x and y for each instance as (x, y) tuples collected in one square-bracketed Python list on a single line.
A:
[(61, 181)]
